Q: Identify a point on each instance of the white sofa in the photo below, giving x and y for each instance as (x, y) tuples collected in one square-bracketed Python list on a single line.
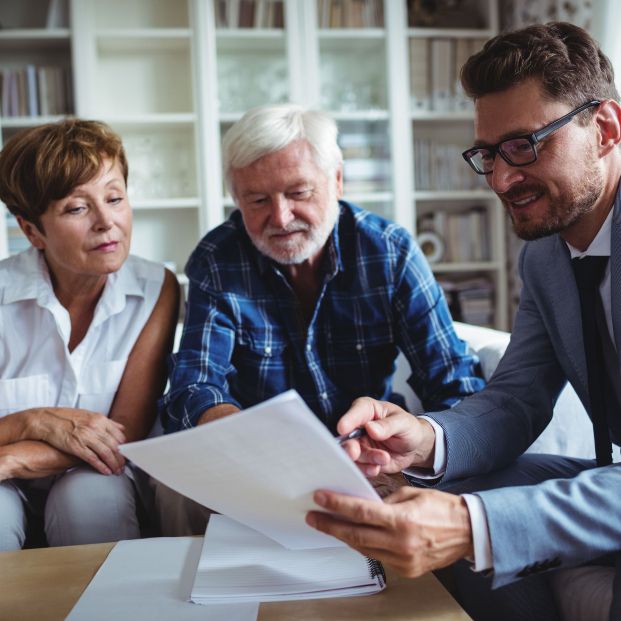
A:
[(569, 433)]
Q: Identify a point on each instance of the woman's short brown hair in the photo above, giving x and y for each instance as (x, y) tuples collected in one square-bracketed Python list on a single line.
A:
[(563, 57), (44, 164)]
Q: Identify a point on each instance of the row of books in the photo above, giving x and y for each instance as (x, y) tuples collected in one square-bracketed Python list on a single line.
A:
[(460, 236), (445, 14), (435, 64), (439, 166), (470, 300), (350, 13), (35, 91), (250, 13)]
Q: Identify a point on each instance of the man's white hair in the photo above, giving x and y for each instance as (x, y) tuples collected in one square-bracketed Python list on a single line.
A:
[(267, 129)]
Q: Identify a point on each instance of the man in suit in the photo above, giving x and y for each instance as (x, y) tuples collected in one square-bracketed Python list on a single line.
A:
[(547, 129)]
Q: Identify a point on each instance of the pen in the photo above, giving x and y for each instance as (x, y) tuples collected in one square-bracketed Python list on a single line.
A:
[(356, 433)]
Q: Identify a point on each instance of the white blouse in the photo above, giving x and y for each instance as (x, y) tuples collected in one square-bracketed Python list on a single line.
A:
[(36, 367)]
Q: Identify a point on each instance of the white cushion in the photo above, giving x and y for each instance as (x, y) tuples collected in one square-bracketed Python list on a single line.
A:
[(569, 433)]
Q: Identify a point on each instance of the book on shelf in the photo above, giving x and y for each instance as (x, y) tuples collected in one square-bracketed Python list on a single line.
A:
[(419, 74), (435, 66), (57, 14), (462, 50), (442, 72), (470, 300), (246, 14), (445, 14), (34, 91), (239, 564), (350, 13), (440, 166), (249, 13), (464, 235)]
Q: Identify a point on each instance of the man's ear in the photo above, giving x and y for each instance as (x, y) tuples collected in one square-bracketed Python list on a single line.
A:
[(32, 232), (608, 120), (339, 181)]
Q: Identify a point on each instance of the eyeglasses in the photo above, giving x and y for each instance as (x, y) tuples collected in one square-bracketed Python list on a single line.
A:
[(521, 150)]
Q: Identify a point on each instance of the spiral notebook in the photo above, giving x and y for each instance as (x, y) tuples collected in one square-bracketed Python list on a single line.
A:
[(239, 564)]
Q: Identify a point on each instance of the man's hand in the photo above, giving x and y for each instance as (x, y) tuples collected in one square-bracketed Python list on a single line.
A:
[(90, 436), (413, 530), (394, 438)]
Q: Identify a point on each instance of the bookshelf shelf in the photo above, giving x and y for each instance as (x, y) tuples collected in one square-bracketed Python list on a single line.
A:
[(19, 122), (150, 120), (454, 195), (143, 40), (452, 33), (250, 35), (167, 203), (435, 116), (361, 115), (24, 38), (342, 35)]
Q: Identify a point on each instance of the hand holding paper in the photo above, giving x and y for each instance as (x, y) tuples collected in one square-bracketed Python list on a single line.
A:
[(260, 467)]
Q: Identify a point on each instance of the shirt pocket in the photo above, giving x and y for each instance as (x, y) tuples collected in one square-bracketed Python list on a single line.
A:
[(261, 360), (21, 393), (98, 385)]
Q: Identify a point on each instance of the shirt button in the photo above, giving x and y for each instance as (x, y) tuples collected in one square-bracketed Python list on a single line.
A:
[(358, 346), (324, 395), (268, 350)]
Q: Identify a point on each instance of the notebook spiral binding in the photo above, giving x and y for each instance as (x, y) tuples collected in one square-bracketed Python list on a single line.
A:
[(376, 570)]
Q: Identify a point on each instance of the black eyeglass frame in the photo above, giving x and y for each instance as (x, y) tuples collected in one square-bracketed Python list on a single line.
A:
[(534, 139)]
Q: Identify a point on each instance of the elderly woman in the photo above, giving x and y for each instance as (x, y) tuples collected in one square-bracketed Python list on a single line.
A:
[(85, 331)]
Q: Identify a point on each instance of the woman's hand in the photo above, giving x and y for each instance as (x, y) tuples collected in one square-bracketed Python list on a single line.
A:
[(90, 436)]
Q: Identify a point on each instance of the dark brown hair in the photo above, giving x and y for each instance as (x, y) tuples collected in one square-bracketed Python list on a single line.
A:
[(44, 164), (563, 57)]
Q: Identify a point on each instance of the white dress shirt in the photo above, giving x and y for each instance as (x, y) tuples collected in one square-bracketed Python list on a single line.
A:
[(36, 367)]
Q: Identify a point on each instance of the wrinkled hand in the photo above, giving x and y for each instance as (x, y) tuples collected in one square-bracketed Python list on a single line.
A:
[(413, 530), (90, 436), (394, 440)]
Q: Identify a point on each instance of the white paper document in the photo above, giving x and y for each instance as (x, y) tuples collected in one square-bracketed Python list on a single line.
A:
[(151, 579), (260, 467), (239, 564)]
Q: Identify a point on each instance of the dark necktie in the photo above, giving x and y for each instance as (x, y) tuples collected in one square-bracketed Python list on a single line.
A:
[(589, 272)]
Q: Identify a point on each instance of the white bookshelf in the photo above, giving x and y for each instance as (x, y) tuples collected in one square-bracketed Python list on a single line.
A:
[(172, 75)]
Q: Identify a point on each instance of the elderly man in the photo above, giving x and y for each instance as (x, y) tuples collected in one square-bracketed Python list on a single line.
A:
[(547, 129), (299, 289)]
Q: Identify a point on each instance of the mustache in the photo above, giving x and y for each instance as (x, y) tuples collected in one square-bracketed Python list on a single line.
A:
[(296, 226), (521, 191)]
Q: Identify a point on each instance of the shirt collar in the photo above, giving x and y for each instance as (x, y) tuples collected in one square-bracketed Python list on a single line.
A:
[(33, 281), (600, 246)]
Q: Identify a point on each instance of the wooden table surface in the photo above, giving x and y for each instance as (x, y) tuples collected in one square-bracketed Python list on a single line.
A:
[(45, 583)]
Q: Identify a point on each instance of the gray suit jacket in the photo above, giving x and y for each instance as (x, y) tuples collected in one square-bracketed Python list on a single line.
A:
[(568, 520)]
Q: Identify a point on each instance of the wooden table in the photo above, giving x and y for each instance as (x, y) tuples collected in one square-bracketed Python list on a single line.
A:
[(45, 583)]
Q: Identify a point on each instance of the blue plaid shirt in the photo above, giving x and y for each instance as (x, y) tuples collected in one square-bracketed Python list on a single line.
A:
[(245, 338)]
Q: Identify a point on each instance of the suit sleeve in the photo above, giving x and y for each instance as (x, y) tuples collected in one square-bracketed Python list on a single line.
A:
[(555, 524)]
